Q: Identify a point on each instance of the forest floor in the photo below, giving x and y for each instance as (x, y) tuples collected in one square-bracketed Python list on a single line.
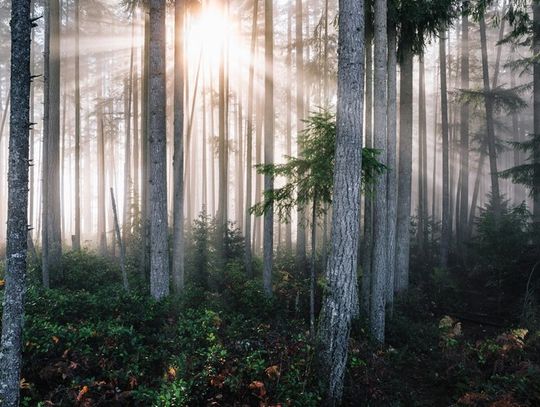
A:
[(87, 343)]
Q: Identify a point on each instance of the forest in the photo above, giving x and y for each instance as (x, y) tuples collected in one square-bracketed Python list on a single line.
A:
[(270, 203)]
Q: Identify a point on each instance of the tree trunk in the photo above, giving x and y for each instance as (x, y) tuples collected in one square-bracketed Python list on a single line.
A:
[(249, 144), (17, 223), (366, 248), (340, 304), (52, 221), (77, 235), (268, 142), (301, 215), (392, 174), (379, 266), (490, 123), (121, 243), (422, 146), (445, 228), (178, 158), (464, 133), (536, 129), (288, 102), (404, 171), (159, 253)]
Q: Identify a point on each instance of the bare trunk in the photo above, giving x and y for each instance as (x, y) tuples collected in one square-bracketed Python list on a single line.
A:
[(445, 231), (17, 223), (178, 158), (121, 243), (340, 304), (380, 214), (159, 253)]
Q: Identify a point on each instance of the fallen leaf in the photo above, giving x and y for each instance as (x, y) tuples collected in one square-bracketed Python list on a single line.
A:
[(83, 391)]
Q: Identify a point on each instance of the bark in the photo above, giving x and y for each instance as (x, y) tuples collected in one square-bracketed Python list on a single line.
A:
[(77, 235), (288, 102), (159, 253), (445, 227), (404, 171), (17, 221), (249, 144), (464, 135), (178, 157), (340, 304), (301, 216), (536, 124), (366, 248), (379, 266), (121, 243), (392, 175), (422, 156), (490, 123), (52, 221), (268, 142)]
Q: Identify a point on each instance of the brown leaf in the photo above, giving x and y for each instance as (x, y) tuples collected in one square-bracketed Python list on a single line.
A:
[(82, 392)]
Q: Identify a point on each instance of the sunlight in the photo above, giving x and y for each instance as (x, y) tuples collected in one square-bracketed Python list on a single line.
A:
[(210, 31)]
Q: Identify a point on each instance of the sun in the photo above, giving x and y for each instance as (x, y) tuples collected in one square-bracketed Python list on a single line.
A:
[(209, 33)]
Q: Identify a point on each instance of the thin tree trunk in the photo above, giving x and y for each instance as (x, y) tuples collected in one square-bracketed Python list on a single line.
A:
[(422, 146), (445, 231), (301, 215), (464, 133), (490, 123), (536, 124), (249, 144), (178, 158), (380, 214), (366, 248), (77, 235), (268, 142), (392, 174), (17, 224), (288, 102), (121, 244)]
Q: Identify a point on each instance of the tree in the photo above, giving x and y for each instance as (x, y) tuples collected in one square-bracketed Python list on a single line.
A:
[(340, 303), (77, 235), (268, 140), (445, 230), (159, 253), (249, 143), (51, 218), (380, 215), (310, 181), (17, 224), (178, 158)]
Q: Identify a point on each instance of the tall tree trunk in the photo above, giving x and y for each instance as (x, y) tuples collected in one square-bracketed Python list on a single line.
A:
[(490, 123), (404, 171), (268, 141), (159, 252), (249, 143), (121, 243), (178, 158), (288, 102), (340, 304), (136, 147), (536, 129), (128, 184), (17, 223), (223, 200), (422, 146), (301, 215), (445, 228), (392, 174), (102, 223), (77, 235), (380, 214), (464, 134), (366, 247), (52, 104)]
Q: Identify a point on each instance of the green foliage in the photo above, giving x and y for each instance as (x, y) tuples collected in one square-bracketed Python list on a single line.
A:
[(524, 174), (309, 178)]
